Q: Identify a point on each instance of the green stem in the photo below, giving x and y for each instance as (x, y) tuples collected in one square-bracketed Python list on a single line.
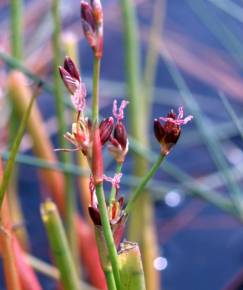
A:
[(143, 183), (99, 187), (95, 99), (113, 189), (110, 280), (13, 153), (108, 233), (60, 112), (59, 246), (16, 28)]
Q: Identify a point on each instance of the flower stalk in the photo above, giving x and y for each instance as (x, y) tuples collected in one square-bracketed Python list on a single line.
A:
[(142, 185), (92, 22)]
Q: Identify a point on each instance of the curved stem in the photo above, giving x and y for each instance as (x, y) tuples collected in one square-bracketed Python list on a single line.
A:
[(143, 183)]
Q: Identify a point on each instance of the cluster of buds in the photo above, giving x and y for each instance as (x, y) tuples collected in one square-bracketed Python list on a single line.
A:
[(81, 134), (92, 23), (168, 133)]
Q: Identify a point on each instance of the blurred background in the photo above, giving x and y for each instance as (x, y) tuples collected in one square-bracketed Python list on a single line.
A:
[(198, 61)]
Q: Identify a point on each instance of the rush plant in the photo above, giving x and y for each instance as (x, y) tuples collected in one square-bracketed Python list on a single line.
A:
[(120, 261)]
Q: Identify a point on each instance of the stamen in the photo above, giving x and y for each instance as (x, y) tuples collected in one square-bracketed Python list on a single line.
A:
[(115, 181), (119, 114)]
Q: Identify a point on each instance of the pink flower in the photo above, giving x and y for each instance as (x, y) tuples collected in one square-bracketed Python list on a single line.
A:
[(168, 133)]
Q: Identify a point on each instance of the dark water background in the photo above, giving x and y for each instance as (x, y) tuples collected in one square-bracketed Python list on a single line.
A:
[(203, 246)]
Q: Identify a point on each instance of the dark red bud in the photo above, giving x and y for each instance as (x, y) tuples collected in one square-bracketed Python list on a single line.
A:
[(172, 136), (159, 131), (87, 14), (114, 142), (94, 215), (106, 128), (120, 134), (167, 134), (67, 80), (71, 67)]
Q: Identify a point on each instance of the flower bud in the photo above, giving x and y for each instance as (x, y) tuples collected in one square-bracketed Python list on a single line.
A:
[(71, 67), (106, 127), (92, 23), (95, 215), (87, 14), (169, 133), (68, 81), (120, 134)]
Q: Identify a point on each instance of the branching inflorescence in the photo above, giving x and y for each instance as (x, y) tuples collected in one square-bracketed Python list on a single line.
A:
[(89, 137)]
